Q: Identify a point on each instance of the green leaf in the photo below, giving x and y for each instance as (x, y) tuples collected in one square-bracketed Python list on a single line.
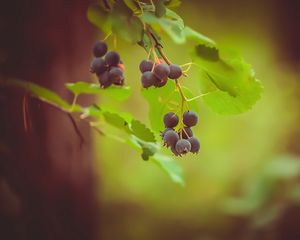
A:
[(228, 83), (115, 120), (100, 18), (163, 100), (148, 148), (160, 9), (170, 167), (141, 131), (200, 39), (133, 6), (172, 3), (129, 29), (116, 92), (171, 24), (42, 93)]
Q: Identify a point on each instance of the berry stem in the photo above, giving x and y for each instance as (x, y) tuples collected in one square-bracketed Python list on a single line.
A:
[(156, 44)]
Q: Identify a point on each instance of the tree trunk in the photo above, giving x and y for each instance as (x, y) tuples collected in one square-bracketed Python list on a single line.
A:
[(46, 179)]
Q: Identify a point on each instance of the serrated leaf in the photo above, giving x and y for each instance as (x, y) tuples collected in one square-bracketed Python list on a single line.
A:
[(116, 92), (170, 167), (229, 84), (42, 93), (141, 131)]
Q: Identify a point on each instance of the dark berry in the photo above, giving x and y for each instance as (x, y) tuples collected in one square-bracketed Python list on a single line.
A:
[(175, 71), (100, 48), (195, 144), (148, 79), (182, 146), (161, 71), (190, 118), (98, 66), (121, 66), (115, 74), (160, 83), (186, 132), (146, 65), (112, 58), (171, 120), (173, 149), (164, 131), (104, 80), (170, 138)]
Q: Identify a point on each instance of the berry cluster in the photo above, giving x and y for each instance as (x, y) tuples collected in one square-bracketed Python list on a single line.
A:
[(157, 73), (181, 141), (108, 69)]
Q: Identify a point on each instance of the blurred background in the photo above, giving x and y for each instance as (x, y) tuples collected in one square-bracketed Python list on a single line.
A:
[(245, 182)]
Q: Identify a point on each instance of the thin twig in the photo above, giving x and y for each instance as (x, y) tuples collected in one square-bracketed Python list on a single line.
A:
[(76, 129)]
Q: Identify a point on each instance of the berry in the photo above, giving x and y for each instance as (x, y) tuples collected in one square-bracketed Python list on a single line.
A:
[(170, 138), (161, 71), (112, 58), (170, 120), (98, 66), (99, 49), (115, 75), (146, 65), (104, 80), (175, 71), (174, 151), (164, 131), (195, 144), (121, 66), (190, 118), (183, 146), (160, 83), (148, 79), (186, 132)]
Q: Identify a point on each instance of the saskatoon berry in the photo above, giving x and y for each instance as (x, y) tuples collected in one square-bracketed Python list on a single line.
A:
[(160, 83), (121, 66), (104, 80), (195, 144), (148, 79), (146, 65), (100, 48), (170, 120), (175, 71), (98, 66), (186, 133), (164, 131), (112, 58), (174, 151), (161, 71), (115, 74), (190, 118), (182, 146), (170, 138)]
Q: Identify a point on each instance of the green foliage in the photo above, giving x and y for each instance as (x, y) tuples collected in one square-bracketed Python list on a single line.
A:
[(227, 82), (115, 92), (139, 135), (170, 167), (164, 100)]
